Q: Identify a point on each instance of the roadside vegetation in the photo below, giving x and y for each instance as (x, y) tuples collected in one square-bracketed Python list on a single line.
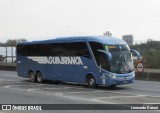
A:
[(150, 52)]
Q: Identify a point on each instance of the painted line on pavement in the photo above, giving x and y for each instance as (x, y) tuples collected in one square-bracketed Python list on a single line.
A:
[(120, 97), (79, 98), (60, 94)]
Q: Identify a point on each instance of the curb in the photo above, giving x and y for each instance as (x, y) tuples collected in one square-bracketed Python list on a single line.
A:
[(7, 68), (147, 76)]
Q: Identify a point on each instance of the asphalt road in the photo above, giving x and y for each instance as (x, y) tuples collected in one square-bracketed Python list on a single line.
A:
[(16, 90)]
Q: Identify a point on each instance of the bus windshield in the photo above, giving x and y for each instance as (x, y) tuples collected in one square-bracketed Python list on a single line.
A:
[(121, 61)]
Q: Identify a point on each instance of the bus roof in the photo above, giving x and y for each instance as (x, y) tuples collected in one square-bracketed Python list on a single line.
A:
[(101, 39)]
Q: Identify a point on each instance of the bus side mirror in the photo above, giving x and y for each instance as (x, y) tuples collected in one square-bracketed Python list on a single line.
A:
[(109, 56), (135, 53)]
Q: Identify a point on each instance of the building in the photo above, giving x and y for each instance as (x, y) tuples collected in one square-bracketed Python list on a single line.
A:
[(107, 33), (128, 39)]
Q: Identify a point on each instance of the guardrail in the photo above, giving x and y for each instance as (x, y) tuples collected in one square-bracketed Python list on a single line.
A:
[(8, 66), (150, 76)]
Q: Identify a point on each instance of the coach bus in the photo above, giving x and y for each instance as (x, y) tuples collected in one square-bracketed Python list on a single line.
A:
[(88, 60)]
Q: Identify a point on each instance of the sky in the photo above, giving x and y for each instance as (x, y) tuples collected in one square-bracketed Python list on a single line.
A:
[(47, 19)]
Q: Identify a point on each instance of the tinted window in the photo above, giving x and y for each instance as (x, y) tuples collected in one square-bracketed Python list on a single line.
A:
[(23, 50), (57, 49), (78, 49), (100, 57), (96, 46)]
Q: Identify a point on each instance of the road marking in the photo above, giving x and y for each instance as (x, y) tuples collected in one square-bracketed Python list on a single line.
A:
[(86, 99), (60, 94), (56, 88), (7, 86), (131, 94), (138, 94), (2, 79), (88, 90), (120, 96), (30, 89), (14, 75), (85, 92)]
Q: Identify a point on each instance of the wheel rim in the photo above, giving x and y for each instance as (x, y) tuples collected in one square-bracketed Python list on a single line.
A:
[(39, 78), (91, 82), (32, 77)]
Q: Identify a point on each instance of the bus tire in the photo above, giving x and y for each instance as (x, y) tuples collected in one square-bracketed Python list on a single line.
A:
[(32, 76), (39, 77), (91, 82)]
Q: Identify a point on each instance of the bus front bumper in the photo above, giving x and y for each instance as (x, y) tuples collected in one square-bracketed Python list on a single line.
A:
[(118, 79)]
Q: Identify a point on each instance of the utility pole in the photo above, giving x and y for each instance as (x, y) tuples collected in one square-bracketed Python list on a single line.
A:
[(12, 53), (6, 53)]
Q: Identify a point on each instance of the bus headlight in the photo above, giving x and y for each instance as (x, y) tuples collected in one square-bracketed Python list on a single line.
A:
[(113, 75), (133, 75)]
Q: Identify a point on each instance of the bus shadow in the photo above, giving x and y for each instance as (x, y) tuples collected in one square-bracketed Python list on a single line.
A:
[(113, 88)]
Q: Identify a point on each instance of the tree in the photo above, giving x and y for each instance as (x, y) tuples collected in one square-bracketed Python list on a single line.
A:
[(150, 52), (1, 44), (12, 42)]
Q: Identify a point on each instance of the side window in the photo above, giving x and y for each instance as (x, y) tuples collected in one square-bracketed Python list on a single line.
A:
[(46, 50), (103, 61), (55, 49), (78, 49), (19, 49), (100, 57), (96, 46), (35, 50), (58, 49), (23, 50), (70, 49)]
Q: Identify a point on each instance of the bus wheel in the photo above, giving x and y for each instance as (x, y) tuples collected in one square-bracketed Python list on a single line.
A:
[(32, 77), (39, 77), (91, 82)]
